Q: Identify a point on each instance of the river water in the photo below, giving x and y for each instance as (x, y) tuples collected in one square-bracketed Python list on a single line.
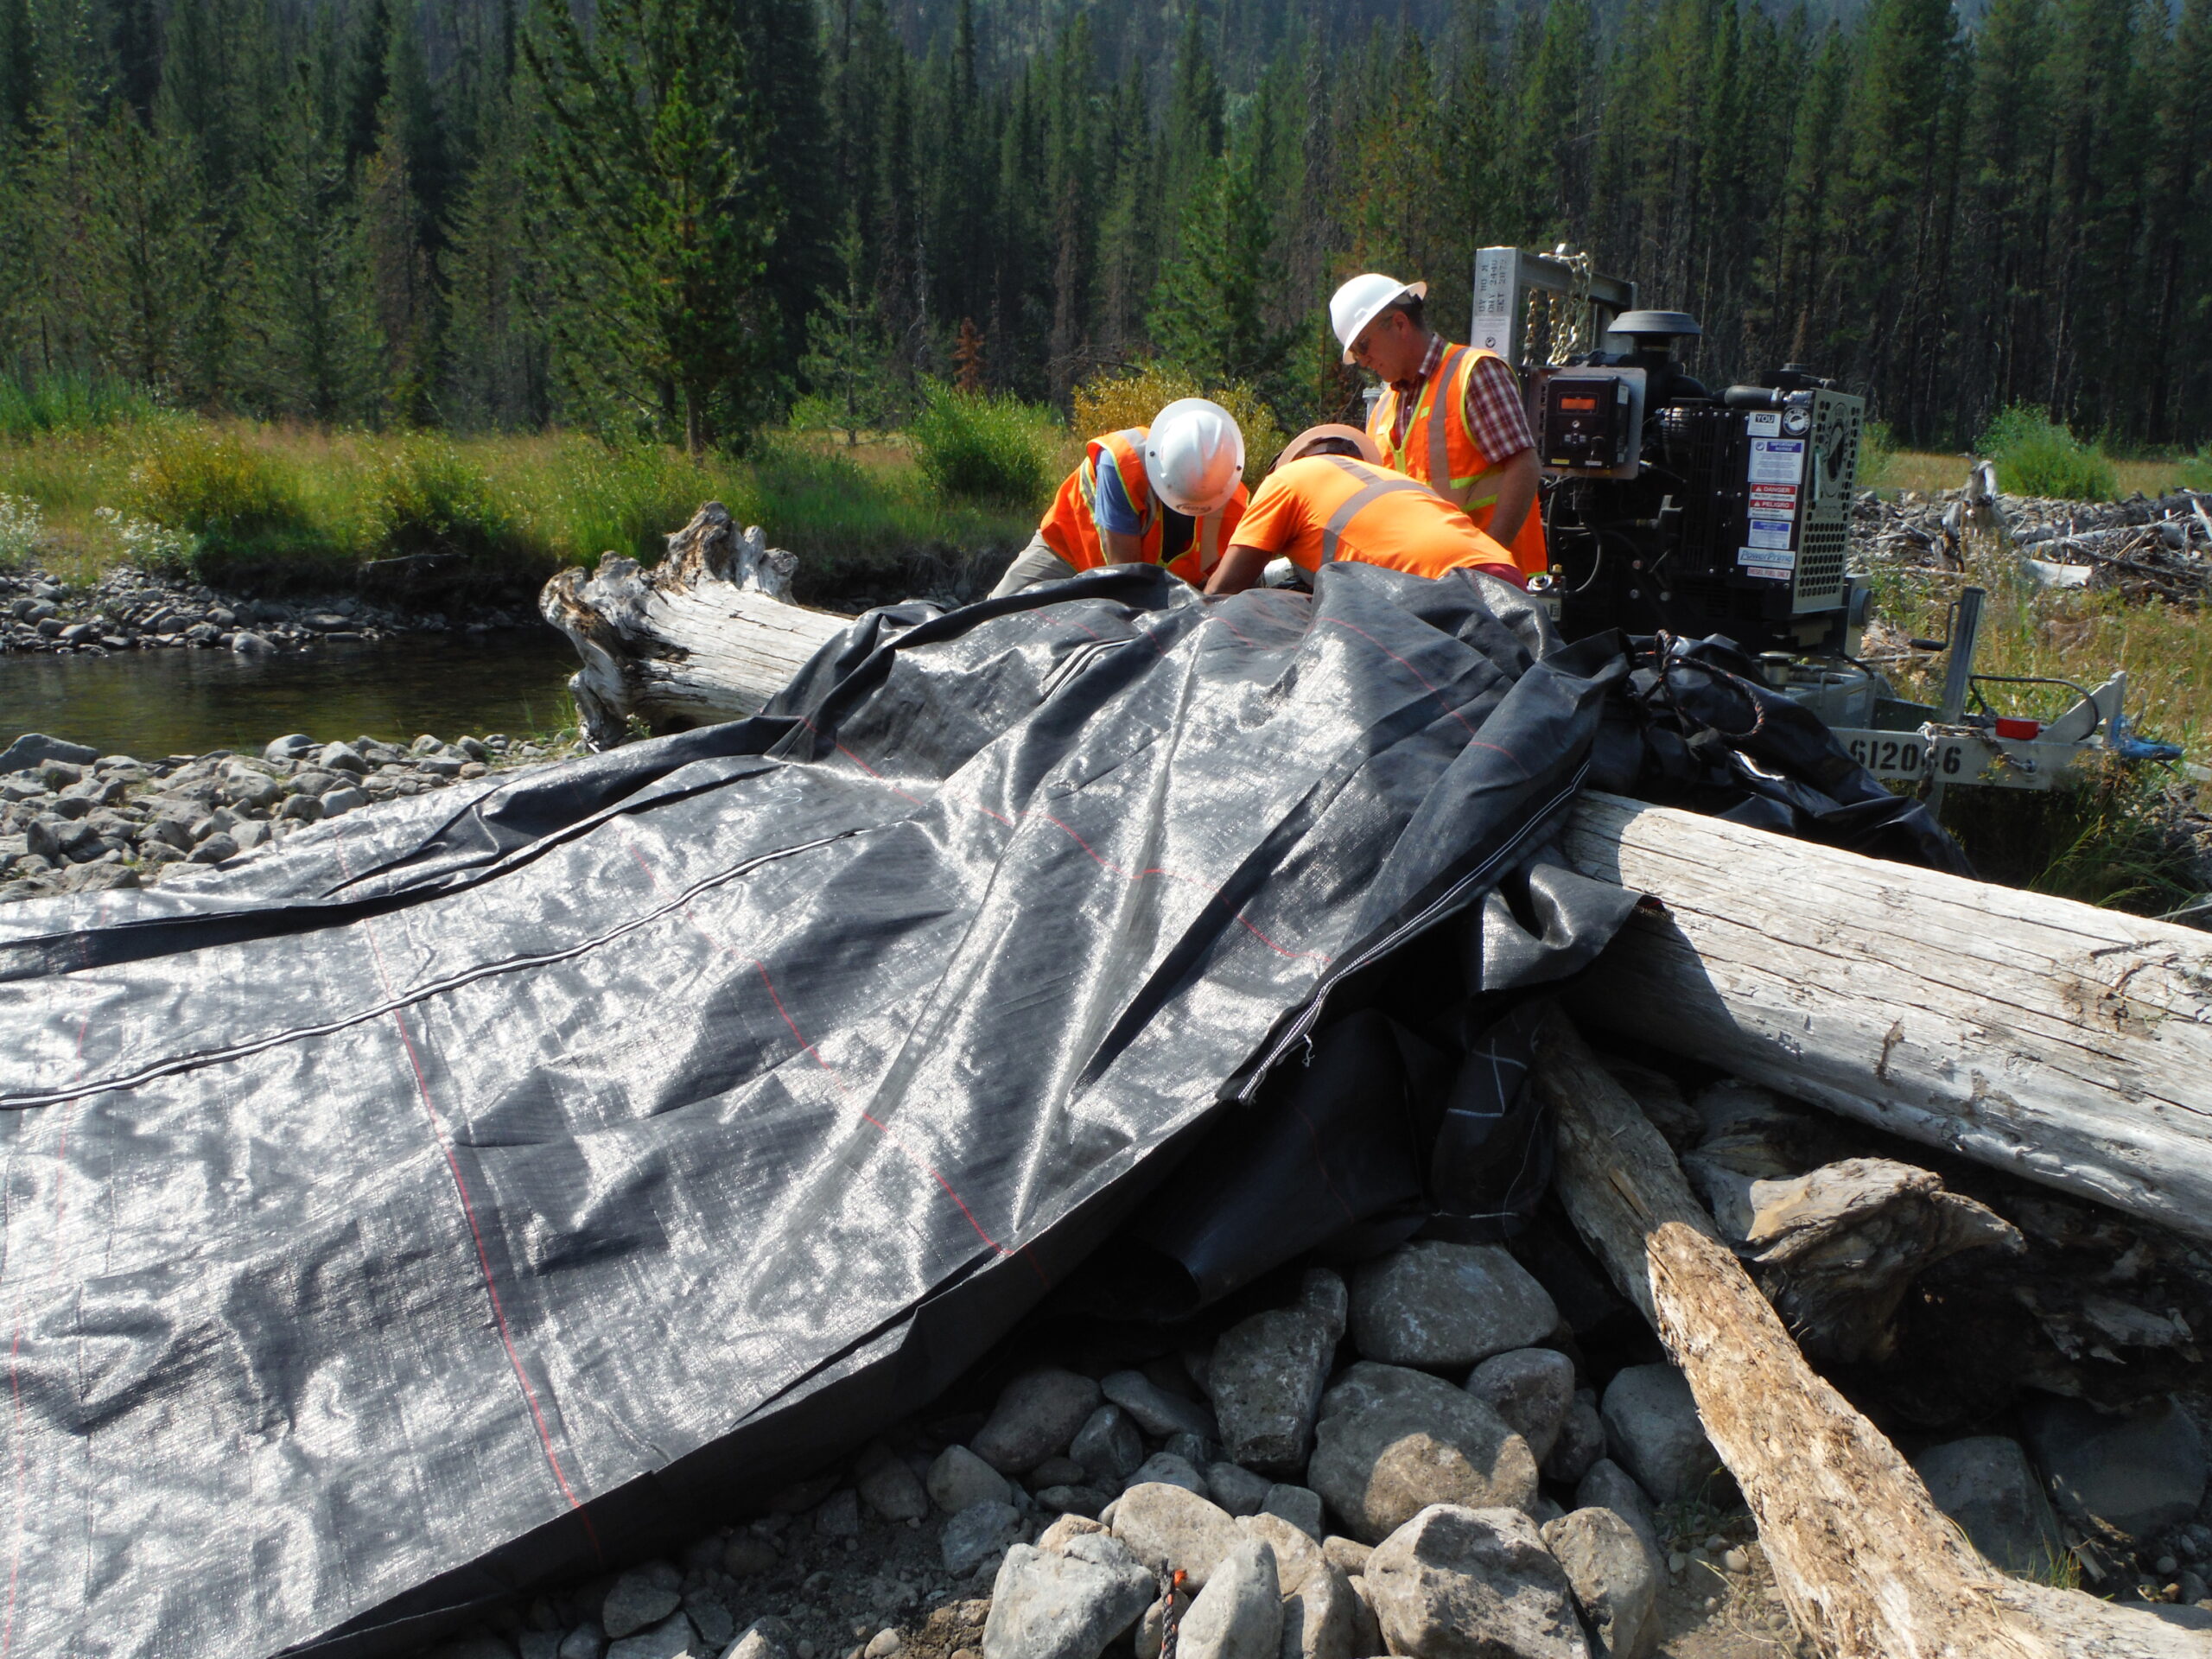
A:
[(152, 703)]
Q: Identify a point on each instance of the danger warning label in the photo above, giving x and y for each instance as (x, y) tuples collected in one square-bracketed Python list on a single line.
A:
[(1768, 500)]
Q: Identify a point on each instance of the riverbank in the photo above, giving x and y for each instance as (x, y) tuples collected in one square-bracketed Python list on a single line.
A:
[(75, 821)]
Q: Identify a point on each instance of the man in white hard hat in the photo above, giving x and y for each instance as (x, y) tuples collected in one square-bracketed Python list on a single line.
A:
[(1451, 416), (1167, 493)]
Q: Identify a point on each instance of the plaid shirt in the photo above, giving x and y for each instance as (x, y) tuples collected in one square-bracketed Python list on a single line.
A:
[(1495, 416)]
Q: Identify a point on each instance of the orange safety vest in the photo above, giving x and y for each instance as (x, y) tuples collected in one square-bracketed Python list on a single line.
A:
[(1070, 528), (1340, 508), (1444, 455)]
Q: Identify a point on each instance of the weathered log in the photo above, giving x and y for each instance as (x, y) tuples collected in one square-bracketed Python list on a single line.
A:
[(709, 633), (1869, 1567), (2060, 1042)]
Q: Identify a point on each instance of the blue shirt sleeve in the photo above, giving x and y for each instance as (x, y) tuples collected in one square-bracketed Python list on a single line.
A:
[(1110, 506)]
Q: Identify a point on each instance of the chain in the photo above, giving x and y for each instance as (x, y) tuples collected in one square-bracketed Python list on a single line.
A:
[(1559, 319)]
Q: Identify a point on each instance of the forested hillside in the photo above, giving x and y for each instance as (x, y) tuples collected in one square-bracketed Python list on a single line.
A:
[(677, 216)]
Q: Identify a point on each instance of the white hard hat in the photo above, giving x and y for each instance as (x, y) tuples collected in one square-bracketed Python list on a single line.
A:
[(1194, 456), (1361, 299)]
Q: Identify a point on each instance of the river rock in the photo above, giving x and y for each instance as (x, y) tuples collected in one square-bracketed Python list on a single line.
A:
[(1581, 1440), (301, 809), (1108, 1445), (2133, 1477), (1984, 1484), (1609, 1486), (765, 1638), (1156, 1411), (1615, 1577), (839, 1516), (1448, 1306), (246, 643), (977, 1534), (1460, 1583), (1168, 1527), (341, 757), (1236, 1490), (959, 1480), (1238, 1614), (214, 850), (1532, 1388), (1165, 1468), (1319, 1612), (643, 1596), (341, 801), (674, 1638), (1653, 1431), (1036, 1414), (35, 749), (1266, 1374), (1299, 1505), (888, 1487), (1394, 1441), (1047, 1606), (1072, 1499)]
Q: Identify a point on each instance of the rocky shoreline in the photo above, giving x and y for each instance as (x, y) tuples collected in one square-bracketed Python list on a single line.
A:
[(75, 820), (132, 610)]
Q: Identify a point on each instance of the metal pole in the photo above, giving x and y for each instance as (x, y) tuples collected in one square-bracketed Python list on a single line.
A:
[(1958, 673)]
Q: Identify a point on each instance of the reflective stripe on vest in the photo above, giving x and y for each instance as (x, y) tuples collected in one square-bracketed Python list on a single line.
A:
[(1370, 489), (1438, 447)]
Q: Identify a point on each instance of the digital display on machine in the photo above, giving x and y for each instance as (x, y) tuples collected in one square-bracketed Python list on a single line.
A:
[(1577, 404)]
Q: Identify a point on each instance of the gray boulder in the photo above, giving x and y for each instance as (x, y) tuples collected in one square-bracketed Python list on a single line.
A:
[(1266, 1374), (1985, 1485), (341, 757), (1448, 1306), (1165, 1468), (1167, 1527), (1084, 1501), (1238, 1490), (839, 1516), (1393, 1442), (960, 1480), (1047, 1606), (765, 1639), (1459, 1583), (586, 1640), (889, 1488), (1037, 1415), (1320, 1614), (673, 1639), (643, 1596), (1299, 1505), (1238, 1615), (338, 802), (975, 1536), (1609, 1486), (1653, 1431), (34, 749), (1107, 1445), (1532, 1388), (2130, 1477), (1581, 1440), (1156, 1411), (1615, 1576)]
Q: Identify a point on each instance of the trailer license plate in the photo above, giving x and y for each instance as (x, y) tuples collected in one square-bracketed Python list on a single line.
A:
[(1905, 754)]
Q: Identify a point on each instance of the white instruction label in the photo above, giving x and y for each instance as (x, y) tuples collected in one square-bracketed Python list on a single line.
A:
[(1777, 460), (1773, 563), (1766, 424), (1768, 532)]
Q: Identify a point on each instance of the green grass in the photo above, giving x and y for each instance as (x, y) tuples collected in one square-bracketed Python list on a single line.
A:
[(1926, 472), (2035, 455), (985, 447), (33, 404), (278, 508)]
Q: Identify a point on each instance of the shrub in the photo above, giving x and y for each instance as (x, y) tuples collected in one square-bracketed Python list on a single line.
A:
[(985, 446), (22, 524), (2036, 456), (1878, 452), (249, 525), (31, 405), (2195, 471), (1116, 402), (150, 546)]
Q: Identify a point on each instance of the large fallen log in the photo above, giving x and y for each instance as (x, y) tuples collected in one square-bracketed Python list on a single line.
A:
[(2060, 1042), (1869, 1567)]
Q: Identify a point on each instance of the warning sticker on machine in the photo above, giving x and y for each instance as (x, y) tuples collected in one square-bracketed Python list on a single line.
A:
[(1773, 563), (1768, 532), (1775, 500), (1767, 424), (1777, 460)]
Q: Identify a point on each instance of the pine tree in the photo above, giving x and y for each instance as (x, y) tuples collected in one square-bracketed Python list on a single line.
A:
[(1208, 315), (847, 360)]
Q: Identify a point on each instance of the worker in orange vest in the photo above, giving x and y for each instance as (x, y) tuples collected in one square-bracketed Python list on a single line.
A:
[(1328, 498), (1167, 493), (1451, 416)]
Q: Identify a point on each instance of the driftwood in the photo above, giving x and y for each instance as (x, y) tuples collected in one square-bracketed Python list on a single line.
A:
[(1869, 1567), (709, 633), (2062, 1043)]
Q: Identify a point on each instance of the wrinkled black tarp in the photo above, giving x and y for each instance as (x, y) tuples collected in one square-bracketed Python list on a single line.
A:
[(499, 1182)]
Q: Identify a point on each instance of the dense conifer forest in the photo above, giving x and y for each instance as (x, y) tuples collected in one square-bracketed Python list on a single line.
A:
[(675, 218)]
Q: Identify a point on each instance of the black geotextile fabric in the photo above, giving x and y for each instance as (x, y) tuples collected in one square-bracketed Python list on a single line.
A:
[(512, 1179)]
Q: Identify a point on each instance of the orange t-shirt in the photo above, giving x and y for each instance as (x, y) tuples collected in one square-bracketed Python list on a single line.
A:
[(1326, 507)]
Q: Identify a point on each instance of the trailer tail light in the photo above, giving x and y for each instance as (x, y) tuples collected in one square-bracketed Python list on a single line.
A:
[(2020, 730)]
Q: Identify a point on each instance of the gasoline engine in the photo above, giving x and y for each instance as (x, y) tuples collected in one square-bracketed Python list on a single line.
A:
[(1671, 508)]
